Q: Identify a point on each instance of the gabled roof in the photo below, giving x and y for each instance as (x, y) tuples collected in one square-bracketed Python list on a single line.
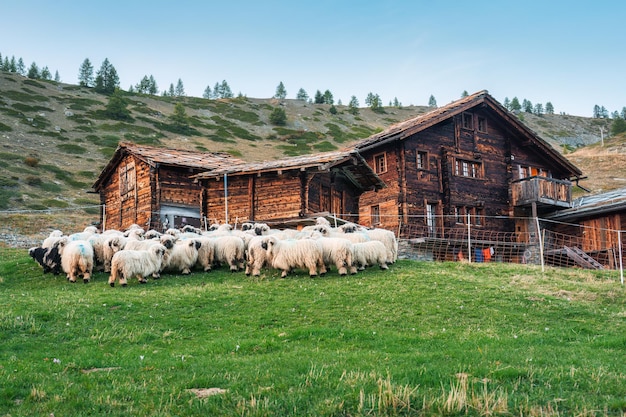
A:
[(407, 128), (154, 156), (592, 205), (347, 161)]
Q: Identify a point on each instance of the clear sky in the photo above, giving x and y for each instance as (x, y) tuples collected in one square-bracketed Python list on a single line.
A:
[(571, 54)]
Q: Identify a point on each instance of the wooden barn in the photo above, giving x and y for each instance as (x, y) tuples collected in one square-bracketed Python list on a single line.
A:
[(152, 187), (284, 190), (471, 159)]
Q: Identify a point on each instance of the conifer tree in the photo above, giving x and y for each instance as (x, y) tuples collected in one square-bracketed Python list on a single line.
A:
[(152, 88), (180, 89), (107, 79), (20, 68), (328, 97), (549, 108), (302, 95), (319, 97), (353, 105), (281, 92), (33, 71), (207, 93), (432, 102), (57, 77), (85, 74), (45, 74)]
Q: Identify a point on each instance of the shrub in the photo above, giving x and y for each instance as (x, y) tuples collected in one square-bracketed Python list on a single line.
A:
[(31, 161), (278, 116), (32, 180)]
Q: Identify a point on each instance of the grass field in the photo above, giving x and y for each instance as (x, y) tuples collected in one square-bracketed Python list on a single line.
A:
[(423, 339)]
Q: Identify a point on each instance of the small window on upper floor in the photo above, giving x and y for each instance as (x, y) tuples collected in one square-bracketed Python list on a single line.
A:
[(422, 160), (471, 169), (127, 179), (380, 163), (468, 121), (482, 124)]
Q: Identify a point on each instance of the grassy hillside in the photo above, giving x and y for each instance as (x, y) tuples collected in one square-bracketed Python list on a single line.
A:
[(56, 137), (421, 339)]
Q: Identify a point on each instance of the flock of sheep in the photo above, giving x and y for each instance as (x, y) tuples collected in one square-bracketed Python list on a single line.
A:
[(140, 254)]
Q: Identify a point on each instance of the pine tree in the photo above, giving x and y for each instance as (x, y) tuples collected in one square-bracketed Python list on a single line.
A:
[(33, 71), (45, 74), (432, 102), (319, 98), (85, 74), (527, 105), (515, 105), (171, 92), (217, 93), (538, 109), (207, 93), (353, 105), (396, 103), (225, 90), (302, 95), (328, 97), (464, 94), (180, 89), (623, 113), (20, 68), (57, 77), (281, 92), (13, 64), (596, 112), (549, 108), (143, 85), (153, 88), (107, 79), (507, 103), (332, 109)]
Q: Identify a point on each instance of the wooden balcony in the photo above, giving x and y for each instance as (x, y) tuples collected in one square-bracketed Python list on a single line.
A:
[(545, 192)]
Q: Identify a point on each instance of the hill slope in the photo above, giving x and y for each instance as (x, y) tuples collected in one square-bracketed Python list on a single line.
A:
[(56, 139)]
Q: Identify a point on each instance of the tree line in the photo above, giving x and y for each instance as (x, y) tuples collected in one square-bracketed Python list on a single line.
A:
[(106, 81)]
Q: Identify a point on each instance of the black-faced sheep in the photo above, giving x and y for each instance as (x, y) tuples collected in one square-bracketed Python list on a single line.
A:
[(49, 263), (286, 255), (183, 256), (369, 253), (256, 256), (139, 263)]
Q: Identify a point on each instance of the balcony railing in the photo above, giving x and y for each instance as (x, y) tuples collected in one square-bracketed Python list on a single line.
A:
[(542, 191)]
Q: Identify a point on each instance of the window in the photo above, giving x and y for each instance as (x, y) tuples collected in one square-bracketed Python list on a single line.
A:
[(478, 216), (468, 121), (471, 169), (380, 163), (459, 214), (422, 160), (127, 178), (482, 124), (375, 215)]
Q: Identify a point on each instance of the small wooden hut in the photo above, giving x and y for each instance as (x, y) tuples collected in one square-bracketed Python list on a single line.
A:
[(152, 186)]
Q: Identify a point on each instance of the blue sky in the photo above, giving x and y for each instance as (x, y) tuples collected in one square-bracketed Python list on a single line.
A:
[(571, 54)]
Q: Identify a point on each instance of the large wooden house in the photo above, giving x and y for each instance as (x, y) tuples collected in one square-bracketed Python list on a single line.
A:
[(152, 187), (471, 159), (288, 189)]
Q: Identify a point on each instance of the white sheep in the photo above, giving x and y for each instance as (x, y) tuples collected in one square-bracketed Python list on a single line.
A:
[(183, 256), (337, 251), (52, 238), (388, 238), (112, 244), (85, 234), (140, 263), (256, 256), (230, 250), (76, 258), (206, 252), (369, 253), (286, 255)]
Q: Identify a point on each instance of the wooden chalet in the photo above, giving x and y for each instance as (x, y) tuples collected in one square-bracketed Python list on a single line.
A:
[(278, 191), (469, 159), (152, 187)]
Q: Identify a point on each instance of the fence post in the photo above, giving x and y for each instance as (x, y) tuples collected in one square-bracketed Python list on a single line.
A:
[(540, 244), (469, 238), (621, 265), (104, 217)]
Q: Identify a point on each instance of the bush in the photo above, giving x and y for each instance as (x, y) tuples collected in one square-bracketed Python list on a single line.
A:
[(618, 126), (31, 161), (278, 116)]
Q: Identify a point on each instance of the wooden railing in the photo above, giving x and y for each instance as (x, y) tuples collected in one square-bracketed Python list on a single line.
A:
[(543, 191)]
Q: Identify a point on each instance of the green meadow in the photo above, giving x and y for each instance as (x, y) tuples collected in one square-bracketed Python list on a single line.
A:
[(421, 339)]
